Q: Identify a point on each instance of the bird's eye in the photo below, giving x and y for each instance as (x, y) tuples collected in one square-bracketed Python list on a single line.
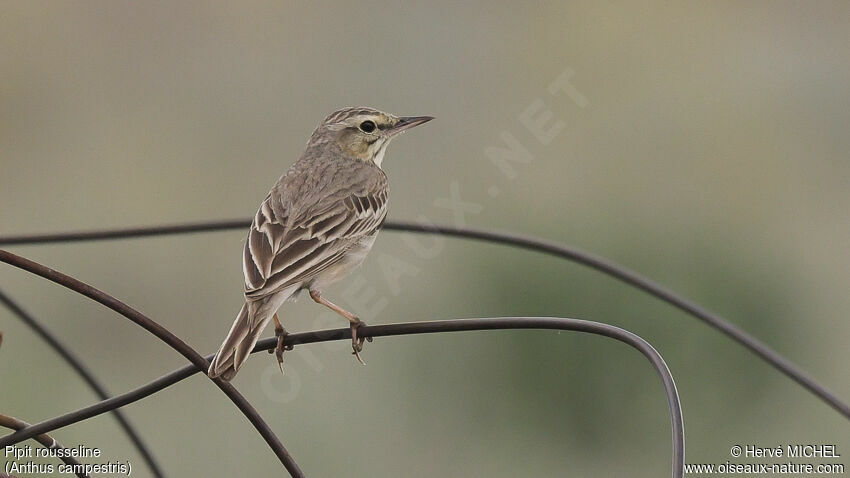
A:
[(367, 126)]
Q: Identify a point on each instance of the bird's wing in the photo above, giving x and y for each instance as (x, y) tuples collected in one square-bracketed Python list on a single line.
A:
[(283, 249)]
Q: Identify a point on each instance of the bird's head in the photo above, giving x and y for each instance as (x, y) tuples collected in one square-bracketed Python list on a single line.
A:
[(363, 133)]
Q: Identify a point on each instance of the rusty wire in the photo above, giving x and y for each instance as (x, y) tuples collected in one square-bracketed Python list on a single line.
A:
[(572, 254)]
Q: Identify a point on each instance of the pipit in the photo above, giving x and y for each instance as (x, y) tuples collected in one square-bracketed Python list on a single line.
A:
[(317, 224)]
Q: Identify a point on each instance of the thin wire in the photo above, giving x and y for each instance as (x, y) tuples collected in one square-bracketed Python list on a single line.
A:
[(44, 439), (632, 278), (131, 232), (429, 327), (166, 336), (87, 376), (600, 264)]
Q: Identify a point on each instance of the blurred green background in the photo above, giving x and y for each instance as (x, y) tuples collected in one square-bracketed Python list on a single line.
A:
[(708, 149)]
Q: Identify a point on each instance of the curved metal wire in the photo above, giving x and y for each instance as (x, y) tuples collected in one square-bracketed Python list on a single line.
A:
[(612, 269), (86, 375), (754, 345), (428, 327), (44, 439), (166, 336)]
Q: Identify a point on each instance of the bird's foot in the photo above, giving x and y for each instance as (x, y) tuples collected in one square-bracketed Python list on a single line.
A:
[(357, 341), (281, 334)]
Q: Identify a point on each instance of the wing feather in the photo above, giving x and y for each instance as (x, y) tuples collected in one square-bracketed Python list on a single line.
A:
[(281, 251)]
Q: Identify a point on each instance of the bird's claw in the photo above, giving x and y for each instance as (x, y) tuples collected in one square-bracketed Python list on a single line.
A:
[(357, 342), (281, 334)]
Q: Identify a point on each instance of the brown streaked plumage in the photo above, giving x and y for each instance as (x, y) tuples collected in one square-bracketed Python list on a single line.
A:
[(317, 224)]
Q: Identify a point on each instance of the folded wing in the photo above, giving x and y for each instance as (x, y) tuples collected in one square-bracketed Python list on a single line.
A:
[(283, 249)]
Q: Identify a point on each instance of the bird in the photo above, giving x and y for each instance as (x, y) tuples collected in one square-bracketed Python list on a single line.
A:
[(317, 224)]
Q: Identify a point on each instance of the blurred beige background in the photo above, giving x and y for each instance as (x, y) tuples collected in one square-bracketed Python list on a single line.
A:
[(711, 155)]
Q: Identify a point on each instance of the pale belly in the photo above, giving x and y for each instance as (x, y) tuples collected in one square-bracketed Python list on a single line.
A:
[(355, 256)]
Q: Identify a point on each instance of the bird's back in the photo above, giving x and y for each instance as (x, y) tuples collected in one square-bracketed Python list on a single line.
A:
[(319, 181)]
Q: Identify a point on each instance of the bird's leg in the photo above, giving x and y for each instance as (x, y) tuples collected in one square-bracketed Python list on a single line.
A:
[(281, 334), (356, 342)]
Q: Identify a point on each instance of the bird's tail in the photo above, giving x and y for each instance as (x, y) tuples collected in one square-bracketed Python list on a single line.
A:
[(239, 342)]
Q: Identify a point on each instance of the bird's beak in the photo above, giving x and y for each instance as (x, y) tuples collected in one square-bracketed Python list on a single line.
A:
[(407, 122)]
